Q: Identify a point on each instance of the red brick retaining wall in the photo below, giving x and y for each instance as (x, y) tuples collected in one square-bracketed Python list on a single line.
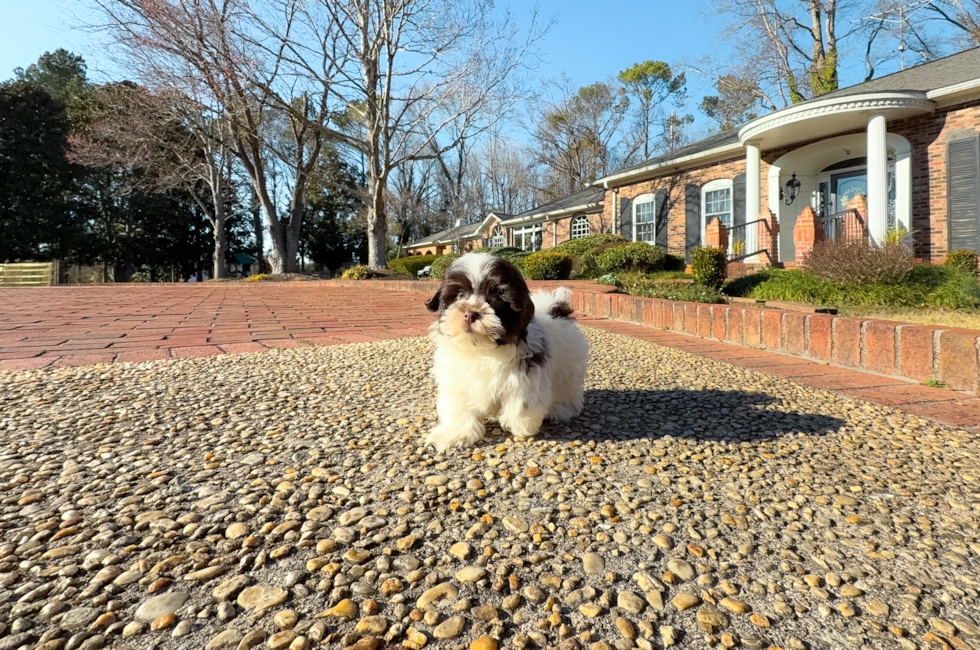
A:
[(914, 352)]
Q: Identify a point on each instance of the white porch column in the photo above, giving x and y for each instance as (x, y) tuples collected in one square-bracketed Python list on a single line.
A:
[(877, 178), (753, 200)]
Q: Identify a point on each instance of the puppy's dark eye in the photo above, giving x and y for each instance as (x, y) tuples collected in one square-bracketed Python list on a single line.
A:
[(460, 295), (496, 300)]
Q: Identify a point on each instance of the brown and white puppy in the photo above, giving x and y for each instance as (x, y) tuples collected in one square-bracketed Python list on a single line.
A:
[(502, 352)]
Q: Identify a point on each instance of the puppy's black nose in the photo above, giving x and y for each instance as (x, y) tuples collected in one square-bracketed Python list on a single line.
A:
[(471, 317)]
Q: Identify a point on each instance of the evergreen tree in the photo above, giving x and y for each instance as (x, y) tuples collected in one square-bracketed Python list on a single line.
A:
[(38, 219)]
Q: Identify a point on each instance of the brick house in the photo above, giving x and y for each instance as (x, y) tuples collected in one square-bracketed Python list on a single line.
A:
[(907, 143), (550, 224), (485, 233), (899, 151)]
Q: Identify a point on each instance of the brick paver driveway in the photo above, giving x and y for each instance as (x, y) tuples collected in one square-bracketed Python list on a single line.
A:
[(60, 326)]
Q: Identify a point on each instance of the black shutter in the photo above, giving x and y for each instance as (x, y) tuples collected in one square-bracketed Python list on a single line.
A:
[(662, 219), (738, 203), (963, 193), (625, 219), (692, 219)]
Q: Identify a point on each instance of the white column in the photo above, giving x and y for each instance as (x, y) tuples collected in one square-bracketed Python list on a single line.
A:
[(877, 178), (753, 200)]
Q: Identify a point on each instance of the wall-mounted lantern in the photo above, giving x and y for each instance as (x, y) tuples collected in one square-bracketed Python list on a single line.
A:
[(792, 190)]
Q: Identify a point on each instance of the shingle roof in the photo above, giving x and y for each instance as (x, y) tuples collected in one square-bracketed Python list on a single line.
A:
[(447, 235), (712, 142), (950, 70), (582, 197)]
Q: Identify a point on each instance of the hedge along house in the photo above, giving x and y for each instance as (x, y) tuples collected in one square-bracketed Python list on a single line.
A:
[(550, 224), (486, 233), (908, 142)]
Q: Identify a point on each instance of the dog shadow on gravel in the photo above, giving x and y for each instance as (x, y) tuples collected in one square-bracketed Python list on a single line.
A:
[(716, 415)]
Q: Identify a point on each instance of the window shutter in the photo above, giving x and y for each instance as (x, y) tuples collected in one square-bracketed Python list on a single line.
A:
[(662, 219), (963, 193), (738, 202), (625, 219), (692, 219)]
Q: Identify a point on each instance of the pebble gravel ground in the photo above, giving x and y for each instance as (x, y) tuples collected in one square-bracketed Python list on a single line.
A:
[(283, 500)]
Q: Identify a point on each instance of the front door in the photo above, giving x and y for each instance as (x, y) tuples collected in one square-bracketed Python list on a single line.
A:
[(846, 186)]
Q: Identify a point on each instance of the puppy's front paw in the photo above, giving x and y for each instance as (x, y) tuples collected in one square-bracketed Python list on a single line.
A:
[(446, 436)]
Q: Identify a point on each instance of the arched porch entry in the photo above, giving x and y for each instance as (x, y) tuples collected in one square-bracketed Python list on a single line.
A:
[(831, 172)]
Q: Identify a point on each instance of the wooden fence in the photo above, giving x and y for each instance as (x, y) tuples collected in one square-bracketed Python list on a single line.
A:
[(29, 275)]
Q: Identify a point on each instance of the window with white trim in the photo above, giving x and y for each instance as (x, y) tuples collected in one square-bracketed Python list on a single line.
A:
[(716, 201), (580, 226), (528, 238), (645, 218), (496, 239)]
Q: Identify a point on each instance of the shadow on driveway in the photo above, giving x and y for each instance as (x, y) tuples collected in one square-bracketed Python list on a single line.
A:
[(715, 415)]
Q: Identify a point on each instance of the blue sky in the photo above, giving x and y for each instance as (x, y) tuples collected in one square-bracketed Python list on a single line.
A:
[(586, 43), (590, 41)]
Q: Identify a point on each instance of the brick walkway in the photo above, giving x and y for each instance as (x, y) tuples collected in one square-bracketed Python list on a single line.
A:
[(63, 326), (70, 326)]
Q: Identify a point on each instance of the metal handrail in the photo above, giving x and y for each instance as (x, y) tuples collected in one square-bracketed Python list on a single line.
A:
[(743, 227), (835, 225)]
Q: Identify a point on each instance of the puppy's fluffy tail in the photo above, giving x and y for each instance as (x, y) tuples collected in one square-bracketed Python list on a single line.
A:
[(554, 304)]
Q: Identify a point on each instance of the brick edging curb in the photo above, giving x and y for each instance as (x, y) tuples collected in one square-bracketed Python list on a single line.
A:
[(888, 348)]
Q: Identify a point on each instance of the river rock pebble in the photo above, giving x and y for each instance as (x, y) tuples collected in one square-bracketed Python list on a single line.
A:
[(213, 502)]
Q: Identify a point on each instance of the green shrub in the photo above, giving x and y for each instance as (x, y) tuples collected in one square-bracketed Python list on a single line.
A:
[(671, 290), (503, 251), (669, 275), (742, 287), (442, 264), (858, 261), (514, 256), (959, 291), (582, 245), (675, 263), (358, 273), (638, 256), (925, 284), (610, 279), (412, 265), (709, 266), (963, 260), (547, 265)]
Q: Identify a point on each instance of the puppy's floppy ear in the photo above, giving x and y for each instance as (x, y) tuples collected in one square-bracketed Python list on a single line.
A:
[(433, 303)]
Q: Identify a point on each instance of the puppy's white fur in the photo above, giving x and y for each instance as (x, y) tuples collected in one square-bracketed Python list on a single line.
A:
[(478, 377)]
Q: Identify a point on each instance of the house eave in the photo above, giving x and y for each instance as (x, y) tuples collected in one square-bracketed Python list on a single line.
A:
[(663, 168), (541, 217), (831, 116)]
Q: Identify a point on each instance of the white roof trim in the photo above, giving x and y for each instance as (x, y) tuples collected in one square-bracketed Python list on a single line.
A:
[(955, 89), (544, 216), (644, 171), (874, 101), (486, 222)]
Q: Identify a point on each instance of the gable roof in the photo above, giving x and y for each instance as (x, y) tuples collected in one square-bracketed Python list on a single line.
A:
[(699, 148), (448, 235), (960, 68), (589, 197)]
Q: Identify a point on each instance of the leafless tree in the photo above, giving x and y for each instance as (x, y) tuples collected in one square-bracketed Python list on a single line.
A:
[(794, 47), (233, 53), (963, 15), (416, 77), (575, 134), (171, 140), (505, 176), (411, 197)]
